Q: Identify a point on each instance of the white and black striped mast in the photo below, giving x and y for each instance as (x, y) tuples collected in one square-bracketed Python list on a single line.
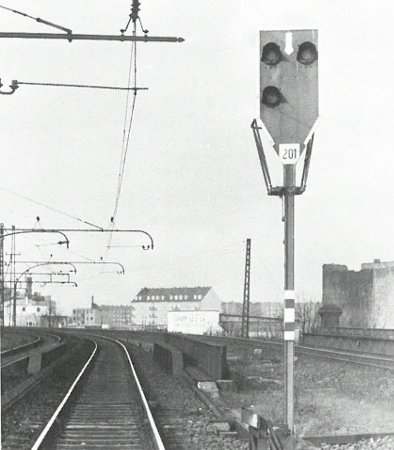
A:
[(246, 301)]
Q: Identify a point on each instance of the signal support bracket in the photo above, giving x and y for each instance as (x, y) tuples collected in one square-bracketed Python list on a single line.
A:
[(280, 191)]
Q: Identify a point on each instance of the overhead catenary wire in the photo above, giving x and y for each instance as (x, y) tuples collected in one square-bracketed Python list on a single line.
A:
[(50, 208), (126, 144), (87, 86), (128, 118), (38, 223), (37, 19), (112, 221)]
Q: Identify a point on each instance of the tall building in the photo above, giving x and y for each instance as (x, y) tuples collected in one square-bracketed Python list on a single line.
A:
[(366, 297), (151, 305)]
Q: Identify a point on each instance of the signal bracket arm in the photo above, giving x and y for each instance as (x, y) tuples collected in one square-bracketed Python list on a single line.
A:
[(281, 190)]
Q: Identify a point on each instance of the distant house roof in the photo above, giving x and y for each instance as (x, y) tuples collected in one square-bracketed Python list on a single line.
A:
[(113, 307), (175, 294)]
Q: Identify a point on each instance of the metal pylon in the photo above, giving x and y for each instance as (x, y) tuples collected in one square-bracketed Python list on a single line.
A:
[(245, 308)]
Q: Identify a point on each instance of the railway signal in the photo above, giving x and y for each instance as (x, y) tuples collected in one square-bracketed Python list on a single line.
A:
[(289, 109), (289, 89)]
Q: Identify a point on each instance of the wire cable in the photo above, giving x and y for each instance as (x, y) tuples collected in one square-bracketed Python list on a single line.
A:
[(125, 140), (88, 86), (37, 19), (124, 156), (51, 208)]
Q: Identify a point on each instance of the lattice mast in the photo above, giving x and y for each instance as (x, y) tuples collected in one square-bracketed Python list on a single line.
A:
[(245, 307)]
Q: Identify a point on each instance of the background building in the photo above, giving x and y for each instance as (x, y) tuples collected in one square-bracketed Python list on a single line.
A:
[(119, 316), (194, 322), (151, 305), (366, 297), (261, 309), (86, 317), (29, 306), (103, 316)]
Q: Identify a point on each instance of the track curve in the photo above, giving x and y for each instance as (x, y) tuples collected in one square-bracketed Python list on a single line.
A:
[(104, 408)]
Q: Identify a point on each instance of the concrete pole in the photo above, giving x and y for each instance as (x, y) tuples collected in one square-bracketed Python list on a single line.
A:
[(289, 182)]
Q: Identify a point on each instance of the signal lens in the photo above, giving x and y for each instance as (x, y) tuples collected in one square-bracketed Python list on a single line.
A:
[(271, 54), (271, 97), (307, 53)]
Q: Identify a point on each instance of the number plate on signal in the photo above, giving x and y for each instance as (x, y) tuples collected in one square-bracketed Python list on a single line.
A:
[(289, 153)]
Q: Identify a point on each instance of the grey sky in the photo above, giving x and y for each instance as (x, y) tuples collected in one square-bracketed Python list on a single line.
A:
[(193, 178)]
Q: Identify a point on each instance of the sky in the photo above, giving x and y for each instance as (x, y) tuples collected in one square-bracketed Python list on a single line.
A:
[(192, 176)]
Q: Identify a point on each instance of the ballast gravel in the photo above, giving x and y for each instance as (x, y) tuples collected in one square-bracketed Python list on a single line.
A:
[(167, 394), (384, 443), (327, 392)]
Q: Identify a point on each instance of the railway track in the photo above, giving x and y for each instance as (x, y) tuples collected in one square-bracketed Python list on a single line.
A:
[(34, 341), (364, 359), (369, 360), (105, 408), (43, 341)]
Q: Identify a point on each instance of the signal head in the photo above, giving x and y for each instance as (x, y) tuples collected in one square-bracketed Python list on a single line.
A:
[(271, 54), (307, 53), (289, 66), (271, 97)]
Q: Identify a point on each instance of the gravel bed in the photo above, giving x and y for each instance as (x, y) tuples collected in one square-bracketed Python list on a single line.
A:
[(330, 397), (12, 380), (22, 423), (193, 416), (385, 443)]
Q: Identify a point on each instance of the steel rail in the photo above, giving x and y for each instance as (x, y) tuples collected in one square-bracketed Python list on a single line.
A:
[(17, 393), (151, 420), (43, 346), (370, 360), (52, 420), (19, 347)]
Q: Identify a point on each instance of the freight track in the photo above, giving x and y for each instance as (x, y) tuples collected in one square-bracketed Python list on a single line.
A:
[(364, 359)]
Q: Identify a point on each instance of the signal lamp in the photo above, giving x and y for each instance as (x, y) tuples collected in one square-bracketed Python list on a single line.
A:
[(307, 53), (271, 54), (271, 97)]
